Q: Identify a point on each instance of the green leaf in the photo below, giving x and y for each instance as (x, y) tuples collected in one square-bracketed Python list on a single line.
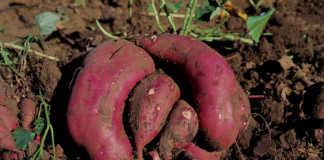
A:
[(47, 22), (256, 24), (39, 125), (216, 12), (175, 7), (22, 138), (204, 9), (2, 30), (91, 27)]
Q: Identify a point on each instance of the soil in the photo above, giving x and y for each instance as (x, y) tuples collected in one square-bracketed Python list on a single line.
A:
[(286, 67)]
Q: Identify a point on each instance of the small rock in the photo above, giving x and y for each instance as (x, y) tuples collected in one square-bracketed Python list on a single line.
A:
[(288, 139), (246, 136), (49, 75), (286, 62), (277, 112), (250, 65)]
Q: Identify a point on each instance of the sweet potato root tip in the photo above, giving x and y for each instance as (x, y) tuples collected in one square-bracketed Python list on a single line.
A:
[(155, 155), (194, 152)]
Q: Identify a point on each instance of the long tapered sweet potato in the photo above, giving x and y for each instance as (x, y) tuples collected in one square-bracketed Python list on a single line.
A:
[(221, 104), (8, 117), (181, 129), (95, 110), (149, 107)]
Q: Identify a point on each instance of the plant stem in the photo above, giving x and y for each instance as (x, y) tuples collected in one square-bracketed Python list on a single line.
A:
[(157, 19), (169, 16), (174, 15), (49, 125), (10, 45), (192, 11), (39, 153), (223, 36), (104, 31), (130, 8), (188, 16)]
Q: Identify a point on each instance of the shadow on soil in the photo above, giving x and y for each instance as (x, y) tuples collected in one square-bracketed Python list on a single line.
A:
[(60, 102)]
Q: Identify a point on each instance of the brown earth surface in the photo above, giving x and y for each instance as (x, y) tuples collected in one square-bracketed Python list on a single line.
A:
[(286, 67)]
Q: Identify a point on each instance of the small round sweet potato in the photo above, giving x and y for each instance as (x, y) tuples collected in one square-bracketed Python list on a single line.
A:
[(181, 129)]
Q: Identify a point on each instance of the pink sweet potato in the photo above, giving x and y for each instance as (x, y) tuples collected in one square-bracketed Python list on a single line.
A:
[(181, 129), (95, 110), (150, 105), (9, 156), (8, 117), (221, 103), (194, 152), (27, 112), (155, 155), (6, 139), (8, 106)]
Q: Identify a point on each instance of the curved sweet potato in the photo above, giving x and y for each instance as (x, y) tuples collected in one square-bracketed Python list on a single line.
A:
[(181, 129), (97, 102), (218, 95), (149, 107)]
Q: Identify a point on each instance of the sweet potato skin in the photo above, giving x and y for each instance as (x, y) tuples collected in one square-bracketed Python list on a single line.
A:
[(149, 107), (97, 101), (8, 117), (218, 96), (27, 112), (155, 155), (6, 139), (8, 106), (181, 129), (194, 152)]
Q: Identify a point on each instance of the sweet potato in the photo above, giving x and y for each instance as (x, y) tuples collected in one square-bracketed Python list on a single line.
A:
[(155, 155), (149, 107), (6, 139), (181, 129), (27, 112), (96, 105), (218, 96), (9, 156), (8, 106), (194, 152), (8, 117)]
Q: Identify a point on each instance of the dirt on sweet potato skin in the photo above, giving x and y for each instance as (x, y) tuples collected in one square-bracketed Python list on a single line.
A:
[(297, 30)]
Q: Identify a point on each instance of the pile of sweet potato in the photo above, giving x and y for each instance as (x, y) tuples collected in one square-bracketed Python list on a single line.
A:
[(118, 71)]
